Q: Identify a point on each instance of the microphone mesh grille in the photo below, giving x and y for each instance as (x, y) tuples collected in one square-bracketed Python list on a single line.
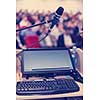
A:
[(60, 10)]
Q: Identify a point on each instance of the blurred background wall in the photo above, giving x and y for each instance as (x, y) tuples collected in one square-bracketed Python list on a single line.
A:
[(52, 5)]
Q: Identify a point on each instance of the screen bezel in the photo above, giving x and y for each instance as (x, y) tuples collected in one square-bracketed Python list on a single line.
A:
[(46, 72)]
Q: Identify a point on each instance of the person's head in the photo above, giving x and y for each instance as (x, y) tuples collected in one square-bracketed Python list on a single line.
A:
[(68, 30), (42, 28), (24, 17), (35, 17), (47, 17)]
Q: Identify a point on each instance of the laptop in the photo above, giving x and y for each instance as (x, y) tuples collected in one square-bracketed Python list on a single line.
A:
[(47, 64)]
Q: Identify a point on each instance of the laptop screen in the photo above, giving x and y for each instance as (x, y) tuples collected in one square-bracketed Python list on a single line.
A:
[(46, 60)]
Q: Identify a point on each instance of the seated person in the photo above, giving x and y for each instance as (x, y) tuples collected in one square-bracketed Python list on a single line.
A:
[(66, 39)]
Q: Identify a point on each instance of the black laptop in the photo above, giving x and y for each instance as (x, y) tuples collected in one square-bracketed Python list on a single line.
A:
[(48, 63)]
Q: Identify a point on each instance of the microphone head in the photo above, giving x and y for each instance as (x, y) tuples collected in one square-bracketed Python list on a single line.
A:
[(59, 11)]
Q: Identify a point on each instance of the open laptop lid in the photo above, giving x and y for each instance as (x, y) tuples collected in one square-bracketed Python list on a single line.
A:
[(46, 62)]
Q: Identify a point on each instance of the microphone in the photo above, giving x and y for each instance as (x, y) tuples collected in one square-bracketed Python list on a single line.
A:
[(56, 17), (53, 22)]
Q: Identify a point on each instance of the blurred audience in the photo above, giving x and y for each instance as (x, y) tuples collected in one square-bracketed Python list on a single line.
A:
[(68, 32)]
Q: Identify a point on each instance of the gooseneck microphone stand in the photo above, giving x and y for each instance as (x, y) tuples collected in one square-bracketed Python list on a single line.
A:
[(45, 22)]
